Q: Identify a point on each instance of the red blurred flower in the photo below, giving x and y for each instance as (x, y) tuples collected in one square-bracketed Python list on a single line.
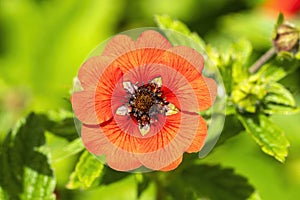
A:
[(289, 8), (140, 100)]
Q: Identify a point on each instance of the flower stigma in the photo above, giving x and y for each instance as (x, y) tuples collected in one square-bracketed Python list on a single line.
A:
[(145, 103)]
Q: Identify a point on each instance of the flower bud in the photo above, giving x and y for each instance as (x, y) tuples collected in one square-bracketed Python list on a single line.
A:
[(286, 38)]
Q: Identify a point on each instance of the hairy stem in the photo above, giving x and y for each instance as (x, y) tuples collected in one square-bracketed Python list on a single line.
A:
[(262, 60)]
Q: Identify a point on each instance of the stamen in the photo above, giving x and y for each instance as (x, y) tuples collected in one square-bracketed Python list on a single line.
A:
[(157, 81), (123, 110), (127, 85), (145, 103), (144, 129), (171, 109)]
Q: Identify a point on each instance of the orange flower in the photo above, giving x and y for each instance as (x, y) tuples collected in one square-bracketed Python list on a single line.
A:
[(289, 8), (140, 102)]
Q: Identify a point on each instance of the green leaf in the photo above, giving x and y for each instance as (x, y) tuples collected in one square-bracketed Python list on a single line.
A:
[(166, 22), (248, 94), (25, 172), (72, 148), (286, 62), (6, 174), (60, 124), (269, 137), (240, 52), (87, 171), (210, 182), (223, 61), (271, 72), (280, 19), (65, 128), (232, 127), (232, 62), (278, 94), (280, 109)]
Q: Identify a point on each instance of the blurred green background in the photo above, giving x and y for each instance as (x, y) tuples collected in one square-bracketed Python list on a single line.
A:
[(44, 42)]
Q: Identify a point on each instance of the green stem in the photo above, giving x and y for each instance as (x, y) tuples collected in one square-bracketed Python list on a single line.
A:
[(159, 183), (262, 60)]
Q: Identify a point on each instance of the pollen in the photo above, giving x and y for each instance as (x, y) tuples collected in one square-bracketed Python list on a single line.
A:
[(145, 103)]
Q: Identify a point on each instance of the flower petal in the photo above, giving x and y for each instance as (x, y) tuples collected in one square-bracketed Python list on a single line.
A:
[(152, 39), (200, 137), (178, 90), (104, 97), (206, 90), (123, 132), (83, 104), (192, 96), (142, 74), (91, 71), (138, 57), (189, 66), (120, 160), (118, 46), (109, 82), (128, 54), (94, 140), (213, 88), (97, 143), (175, 137), (118, 137), (130, 127), (190, 55), (165, 133), (173, 165)]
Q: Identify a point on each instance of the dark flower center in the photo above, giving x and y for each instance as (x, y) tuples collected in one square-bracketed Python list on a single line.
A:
[(145, 103)]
